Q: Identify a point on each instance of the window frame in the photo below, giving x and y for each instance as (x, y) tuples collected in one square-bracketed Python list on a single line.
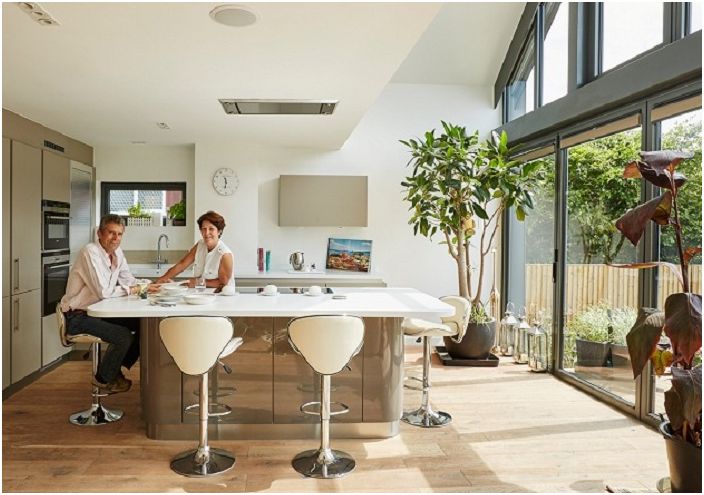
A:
[(107, 186)]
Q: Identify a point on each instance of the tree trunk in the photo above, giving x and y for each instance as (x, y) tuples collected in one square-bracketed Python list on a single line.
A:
[(462, 268)]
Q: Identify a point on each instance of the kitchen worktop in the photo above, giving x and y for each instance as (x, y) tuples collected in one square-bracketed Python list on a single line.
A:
[(372, 302)]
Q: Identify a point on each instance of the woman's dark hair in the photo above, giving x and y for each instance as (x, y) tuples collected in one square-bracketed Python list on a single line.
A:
[(214, 218)]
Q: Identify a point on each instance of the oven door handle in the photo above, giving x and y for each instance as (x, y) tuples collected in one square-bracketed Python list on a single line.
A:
[(62, 265), (56, 217)]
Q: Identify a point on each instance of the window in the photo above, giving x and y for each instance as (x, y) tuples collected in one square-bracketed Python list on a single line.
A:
[(630, 29), (601, 302), (555, 54), (521, 90), (151, 200), (681, 132), (695, 17)]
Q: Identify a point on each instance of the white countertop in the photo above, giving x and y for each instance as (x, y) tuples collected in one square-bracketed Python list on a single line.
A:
[(371, 302)]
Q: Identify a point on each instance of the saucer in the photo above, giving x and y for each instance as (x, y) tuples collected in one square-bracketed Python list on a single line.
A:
[(199, 298), (265, 294), (313, 295), (167, 299)]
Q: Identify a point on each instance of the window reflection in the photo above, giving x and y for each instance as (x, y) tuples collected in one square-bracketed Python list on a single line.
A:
[(695, 17), (520, 91), (555, 52), (630, 28)]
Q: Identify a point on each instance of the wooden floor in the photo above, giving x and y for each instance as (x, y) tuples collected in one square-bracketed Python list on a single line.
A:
[(513, 431)]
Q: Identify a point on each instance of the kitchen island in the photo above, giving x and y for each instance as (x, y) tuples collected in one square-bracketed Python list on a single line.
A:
[(269, 381)]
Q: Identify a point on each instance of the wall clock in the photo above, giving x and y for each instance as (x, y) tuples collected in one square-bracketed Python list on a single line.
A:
[(225, 181)]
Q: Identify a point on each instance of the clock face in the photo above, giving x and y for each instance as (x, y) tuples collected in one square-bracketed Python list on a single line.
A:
[(225, 181)]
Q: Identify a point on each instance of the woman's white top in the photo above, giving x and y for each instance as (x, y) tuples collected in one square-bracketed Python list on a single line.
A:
[(207, 263)]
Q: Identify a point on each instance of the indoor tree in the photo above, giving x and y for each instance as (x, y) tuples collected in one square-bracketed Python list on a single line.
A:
[(455, 178)]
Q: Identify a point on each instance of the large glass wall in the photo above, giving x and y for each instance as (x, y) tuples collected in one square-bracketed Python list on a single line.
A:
[(520, 93), (630, 28), (681, 132), (555, 52), (600, 301)]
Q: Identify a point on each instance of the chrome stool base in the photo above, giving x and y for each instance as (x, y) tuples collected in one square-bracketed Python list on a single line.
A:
[(218, 462), (96, 415), (426, 418), (323, 464)]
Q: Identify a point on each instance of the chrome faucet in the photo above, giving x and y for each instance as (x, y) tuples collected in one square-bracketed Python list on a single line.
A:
[(158, 260)]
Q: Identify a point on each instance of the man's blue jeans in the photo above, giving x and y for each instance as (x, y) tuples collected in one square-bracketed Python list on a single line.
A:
[(121, 333)]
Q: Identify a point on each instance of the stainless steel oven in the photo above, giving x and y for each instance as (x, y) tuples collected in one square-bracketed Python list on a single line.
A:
[(55, 268), (55, 225)]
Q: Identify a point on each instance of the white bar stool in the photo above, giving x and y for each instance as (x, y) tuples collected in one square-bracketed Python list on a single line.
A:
[(195, 343), (453, 326), (327, 343), (96, 414)]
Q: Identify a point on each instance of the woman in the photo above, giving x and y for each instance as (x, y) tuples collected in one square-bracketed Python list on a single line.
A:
[(211, 258)]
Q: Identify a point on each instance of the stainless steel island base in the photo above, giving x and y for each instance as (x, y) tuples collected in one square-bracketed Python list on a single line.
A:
[(269, 382)]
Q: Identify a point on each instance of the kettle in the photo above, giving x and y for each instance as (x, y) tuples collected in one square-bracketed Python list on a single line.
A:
[(296, 260)]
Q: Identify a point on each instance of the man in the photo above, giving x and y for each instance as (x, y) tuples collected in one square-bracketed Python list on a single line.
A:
[(99, 272)]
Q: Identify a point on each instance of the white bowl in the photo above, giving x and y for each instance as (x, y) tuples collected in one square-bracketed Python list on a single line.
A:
[(228, 290), (199, 298), (177, 290), (167, 299)]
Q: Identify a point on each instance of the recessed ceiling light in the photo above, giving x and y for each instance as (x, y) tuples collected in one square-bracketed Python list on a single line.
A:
[(233, 15), (278, 107), (36, 12), (163, 125), (138, 142)]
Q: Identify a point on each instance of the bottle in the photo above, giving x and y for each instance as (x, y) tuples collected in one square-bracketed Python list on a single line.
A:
[(260, 259), (267, 260)]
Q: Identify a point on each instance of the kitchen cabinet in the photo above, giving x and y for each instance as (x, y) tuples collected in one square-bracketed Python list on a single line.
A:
[(6, 351), (26, 211), (26, 334), (81, 224), (56, 177), (6, 263), (52, 348)]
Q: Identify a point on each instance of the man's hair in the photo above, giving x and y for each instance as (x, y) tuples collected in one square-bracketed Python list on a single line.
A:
[(110, 218)]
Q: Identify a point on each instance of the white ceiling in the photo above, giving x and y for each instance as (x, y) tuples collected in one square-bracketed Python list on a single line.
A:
[(111, 71)]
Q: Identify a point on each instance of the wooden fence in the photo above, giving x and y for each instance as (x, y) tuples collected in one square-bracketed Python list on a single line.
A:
[(588, 285)]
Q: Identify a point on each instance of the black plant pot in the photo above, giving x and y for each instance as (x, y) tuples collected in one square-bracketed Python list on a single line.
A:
[(476, 343), (591, 354), (685, 462)]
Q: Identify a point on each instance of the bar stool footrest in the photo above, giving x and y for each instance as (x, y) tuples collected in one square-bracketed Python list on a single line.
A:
[(214, 409), (305, 408), (426, 418)]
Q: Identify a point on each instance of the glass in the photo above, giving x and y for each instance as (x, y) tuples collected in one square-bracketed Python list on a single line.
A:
[(555, 52), (521, 88), (695, 17), (601, 302), (200, 284), (682, 132), (630, 28), (532, 250)]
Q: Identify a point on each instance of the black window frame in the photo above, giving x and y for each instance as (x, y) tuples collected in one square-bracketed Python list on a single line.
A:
[(107, 186)]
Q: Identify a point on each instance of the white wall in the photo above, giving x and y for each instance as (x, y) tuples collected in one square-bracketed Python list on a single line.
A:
[(143, 163), (402, 111)]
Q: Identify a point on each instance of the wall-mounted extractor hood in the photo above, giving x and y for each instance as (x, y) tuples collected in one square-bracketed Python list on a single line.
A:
[(278, 107)]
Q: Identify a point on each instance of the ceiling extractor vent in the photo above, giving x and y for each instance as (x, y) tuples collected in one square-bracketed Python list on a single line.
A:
[(278, 107)]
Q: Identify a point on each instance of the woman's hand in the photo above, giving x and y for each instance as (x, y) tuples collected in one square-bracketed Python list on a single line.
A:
[(152, 288), (163, 280), (191, 283)]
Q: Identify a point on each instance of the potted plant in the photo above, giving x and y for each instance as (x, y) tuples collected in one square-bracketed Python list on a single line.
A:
[(177, 213), (137, 216), (455, 178), (681, 321)]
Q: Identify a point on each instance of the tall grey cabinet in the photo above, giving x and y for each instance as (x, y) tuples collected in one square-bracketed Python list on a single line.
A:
[(6, 321), (25, 259)]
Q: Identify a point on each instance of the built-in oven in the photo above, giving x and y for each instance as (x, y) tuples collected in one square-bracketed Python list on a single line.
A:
[(55, 225), (55, 268)]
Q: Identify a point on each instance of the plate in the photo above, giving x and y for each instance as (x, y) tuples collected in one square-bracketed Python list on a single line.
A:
[(313, 295), (167, 299), (199, 299), (265, 294)]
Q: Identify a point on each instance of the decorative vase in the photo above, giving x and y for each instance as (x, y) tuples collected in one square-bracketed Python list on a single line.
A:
[(476, 343), (685, 462)]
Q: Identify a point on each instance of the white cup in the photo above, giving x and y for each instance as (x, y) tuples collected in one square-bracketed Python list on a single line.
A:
[(228, 290), (315, 290), (270, 290)]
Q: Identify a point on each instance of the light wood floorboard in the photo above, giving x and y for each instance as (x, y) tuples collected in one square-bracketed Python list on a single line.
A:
[(513, 431)]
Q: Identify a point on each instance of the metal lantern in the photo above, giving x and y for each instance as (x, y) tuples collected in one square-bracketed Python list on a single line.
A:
[(507, 331), (538, 348), (520, 342)]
